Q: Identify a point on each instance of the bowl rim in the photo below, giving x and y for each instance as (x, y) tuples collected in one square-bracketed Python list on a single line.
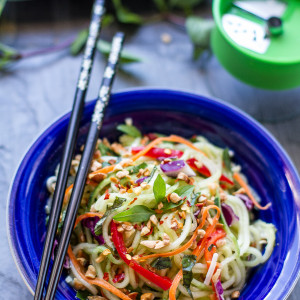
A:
[(185, 93)]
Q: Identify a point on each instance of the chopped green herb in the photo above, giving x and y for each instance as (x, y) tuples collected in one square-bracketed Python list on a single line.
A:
[(159, 189), (152, 174), (130, 130), (162, 263), (194, 198), (135, 169), (188, 262), (138, 213), (83, 295), (104, 150)]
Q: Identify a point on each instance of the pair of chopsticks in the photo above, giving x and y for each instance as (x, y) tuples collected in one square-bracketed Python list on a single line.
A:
[(78, 188)]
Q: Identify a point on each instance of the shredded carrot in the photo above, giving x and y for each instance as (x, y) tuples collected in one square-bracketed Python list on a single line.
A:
[(175, 283), (189, 243), (87, 215), (98, 281), (244, 185)]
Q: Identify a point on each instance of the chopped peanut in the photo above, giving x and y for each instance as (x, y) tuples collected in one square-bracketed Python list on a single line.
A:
[(106, 252), (145, 230), (154, 220), (146, 172), (81, 261), (95, 166), (220, 243), (96, 298), (175, 198), (122, 174), (97, 177), (160, 205), (91, 272), (213, 188), (201, 233), (78, 285), (118, 167), (137, 190), (183, 176), (147, 296)]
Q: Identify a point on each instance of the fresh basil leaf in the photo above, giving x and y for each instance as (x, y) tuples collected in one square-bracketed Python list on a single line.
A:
[(194, 198), (125, 58), (159, 189), (129, 129), (124, 15), (184, 191), (138, 213), (135, 169), (117, 203), (188, 262), (227, 160), (79, 43), (162, 263), (199, 31), (151, 174), (83, 295)]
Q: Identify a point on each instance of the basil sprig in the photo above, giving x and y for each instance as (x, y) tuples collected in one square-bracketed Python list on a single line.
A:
[(138, 213), (159, 189), (135, 169), (130, 130)]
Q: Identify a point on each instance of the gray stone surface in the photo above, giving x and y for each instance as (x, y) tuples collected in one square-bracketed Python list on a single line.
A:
[(37, 91)]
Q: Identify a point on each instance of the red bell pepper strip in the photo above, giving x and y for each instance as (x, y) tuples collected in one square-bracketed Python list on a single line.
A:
[(158, 152), (204, 171), (117, 238)]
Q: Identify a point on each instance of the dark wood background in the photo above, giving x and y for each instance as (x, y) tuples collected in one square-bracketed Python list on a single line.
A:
[(36, 91)]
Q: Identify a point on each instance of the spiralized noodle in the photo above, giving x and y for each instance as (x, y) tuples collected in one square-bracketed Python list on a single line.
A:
[(187, 223)]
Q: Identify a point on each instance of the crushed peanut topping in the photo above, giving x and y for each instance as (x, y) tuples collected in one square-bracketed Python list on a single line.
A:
[(147, 296), (91, 272), (122, 174), (154, 220), (145, 230), (175, 198)]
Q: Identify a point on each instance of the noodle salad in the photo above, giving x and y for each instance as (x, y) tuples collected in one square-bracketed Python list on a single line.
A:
[(163, 217)]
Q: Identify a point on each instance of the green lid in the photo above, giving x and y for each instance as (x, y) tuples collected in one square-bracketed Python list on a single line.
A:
[(260, 46)]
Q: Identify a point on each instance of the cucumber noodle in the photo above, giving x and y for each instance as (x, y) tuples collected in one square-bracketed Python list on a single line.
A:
[(247, 243)]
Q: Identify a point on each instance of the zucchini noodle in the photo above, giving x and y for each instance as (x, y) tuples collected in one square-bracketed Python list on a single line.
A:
[(172, 212)]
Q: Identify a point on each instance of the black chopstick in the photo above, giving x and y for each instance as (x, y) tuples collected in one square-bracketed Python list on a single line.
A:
[(89, 148), (83, 81)]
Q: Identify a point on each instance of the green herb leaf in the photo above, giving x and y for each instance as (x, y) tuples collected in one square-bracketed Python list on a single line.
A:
[(138, 213), (124, 15), (159, 189), (130, 130), (79, 42), (185, 3), (199, 31), (184, 192), (194, 198), (104, 150), (83, 295), (135, 169), (188, 262), (151, 174), (117, 203), (126, 57), (162, 263), (227, 160)]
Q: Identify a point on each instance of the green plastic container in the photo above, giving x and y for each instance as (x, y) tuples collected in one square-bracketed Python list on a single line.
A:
[(278, 67)]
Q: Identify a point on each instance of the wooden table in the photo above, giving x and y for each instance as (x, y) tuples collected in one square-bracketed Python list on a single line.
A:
[(37, 91)]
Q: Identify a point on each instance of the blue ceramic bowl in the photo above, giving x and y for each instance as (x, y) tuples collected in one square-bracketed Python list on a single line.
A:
[(265, 163)]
